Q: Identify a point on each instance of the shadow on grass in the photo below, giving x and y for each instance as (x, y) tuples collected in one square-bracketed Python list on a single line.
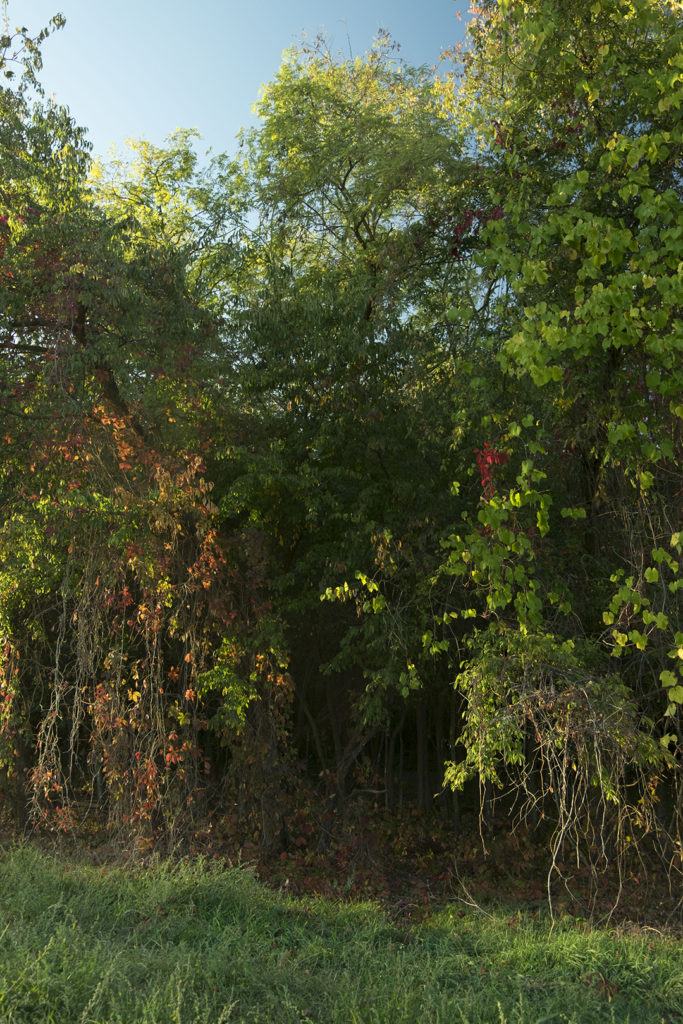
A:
[(193, 943)]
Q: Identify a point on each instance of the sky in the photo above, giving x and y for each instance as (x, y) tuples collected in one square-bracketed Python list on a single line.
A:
[(142, 68)]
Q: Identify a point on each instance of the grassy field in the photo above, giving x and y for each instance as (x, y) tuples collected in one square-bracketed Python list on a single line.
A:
[(191, 944)]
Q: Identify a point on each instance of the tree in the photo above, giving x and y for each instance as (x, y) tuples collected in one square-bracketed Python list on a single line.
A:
[(575, 109), (345, 383), (116, 588)]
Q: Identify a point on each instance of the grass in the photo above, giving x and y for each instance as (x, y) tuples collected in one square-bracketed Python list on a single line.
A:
[(192, 944)]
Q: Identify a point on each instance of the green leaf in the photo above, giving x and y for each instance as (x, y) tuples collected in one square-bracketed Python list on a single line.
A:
[(638, 639)]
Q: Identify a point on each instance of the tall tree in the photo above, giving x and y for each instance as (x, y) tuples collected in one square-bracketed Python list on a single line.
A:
[(345, 356), (115, 587), (574, 553)]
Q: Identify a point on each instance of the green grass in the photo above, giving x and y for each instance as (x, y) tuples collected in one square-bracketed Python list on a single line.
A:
[(189, 944)]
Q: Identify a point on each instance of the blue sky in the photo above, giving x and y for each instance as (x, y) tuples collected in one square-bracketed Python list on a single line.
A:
[(141, 68)]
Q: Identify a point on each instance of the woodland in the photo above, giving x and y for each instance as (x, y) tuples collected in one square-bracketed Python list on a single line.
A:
[(340, 489)]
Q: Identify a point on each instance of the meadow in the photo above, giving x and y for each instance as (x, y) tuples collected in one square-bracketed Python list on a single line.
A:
[(193, 942)]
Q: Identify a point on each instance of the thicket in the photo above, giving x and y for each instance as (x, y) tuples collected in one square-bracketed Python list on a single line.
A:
[(351, 463)]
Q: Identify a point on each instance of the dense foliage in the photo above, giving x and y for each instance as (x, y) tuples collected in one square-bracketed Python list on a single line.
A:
[(351, 463)]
